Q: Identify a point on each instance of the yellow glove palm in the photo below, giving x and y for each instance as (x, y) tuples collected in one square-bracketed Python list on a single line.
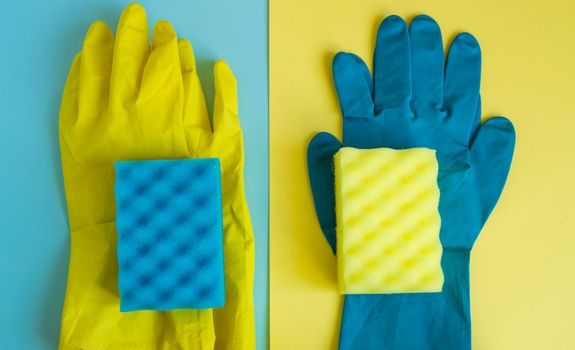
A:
[(123, 101)]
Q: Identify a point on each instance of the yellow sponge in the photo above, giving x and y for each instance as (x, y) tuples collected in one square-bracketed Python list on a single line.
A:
[(387, 221)]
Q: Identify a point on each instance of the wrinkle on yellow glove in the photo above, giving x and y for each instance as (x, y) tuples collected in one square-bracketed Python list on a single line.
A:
[(125, 100)]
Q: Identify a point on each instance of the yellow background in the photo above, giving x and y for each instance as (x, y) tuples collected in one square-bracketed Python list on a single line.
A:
[(523, 265)]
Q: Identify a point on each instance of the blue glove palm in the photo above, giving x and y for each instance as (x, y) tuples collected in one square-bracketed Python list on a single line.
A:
[(414, 101)]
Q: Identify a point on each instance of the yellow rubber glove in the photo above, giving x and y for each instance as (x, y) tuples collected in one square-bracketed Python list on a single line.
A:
[(124, 100)]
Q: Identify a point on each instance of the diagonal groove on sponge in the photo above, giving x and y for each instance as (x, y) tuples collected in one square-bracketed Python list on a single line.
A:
[(387, 221), (170, 234)]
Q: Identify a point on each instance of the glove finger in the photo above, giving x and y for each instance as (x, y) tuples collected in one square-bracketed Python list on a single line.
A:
[(353, 84), (95, 67), (491, 154), (320, 152), (426, 65), (226, 99), (195, 110), (130, 53), (162, 80), (392, 64), (462, 79), (69, 107)]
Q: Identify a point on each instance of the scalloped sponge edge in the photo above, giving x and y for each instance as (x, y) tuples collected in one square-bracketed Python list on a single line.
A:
[(388, 221), (170, 234)]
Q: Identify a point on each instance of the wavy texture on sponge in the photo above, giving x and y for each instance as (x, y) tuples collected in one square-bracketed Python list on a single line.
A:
[(170, 234), (388, 221)]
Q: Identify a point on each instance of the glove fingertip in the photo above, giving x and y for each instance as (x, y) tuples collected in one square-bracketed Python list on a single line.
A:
[(322, 145), (343, 58), (322, 138), (501, 123), (500, 131)]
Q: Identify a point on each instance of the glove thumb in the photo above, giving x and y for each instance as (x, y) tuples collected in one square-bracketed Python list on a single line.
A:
[(490, 157), (320, 152)]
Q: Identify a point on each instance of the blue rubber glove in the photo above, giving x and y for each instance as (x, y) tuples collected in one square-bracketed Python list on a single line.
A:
[(416, 101)]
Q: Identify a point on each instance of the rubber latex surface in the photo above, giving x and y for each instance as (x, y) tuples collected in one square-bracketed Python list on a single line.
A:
[(412, 100), (387, 221), (125, 100), (170, 235)]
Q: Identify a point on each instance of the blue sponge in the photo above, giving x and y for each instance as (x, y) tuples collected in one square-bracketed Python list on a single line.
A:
[(170, 233)]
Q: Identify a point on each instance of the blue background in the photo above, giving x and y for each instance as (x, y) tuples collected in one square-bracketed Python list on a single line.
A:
[(40, 40)]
